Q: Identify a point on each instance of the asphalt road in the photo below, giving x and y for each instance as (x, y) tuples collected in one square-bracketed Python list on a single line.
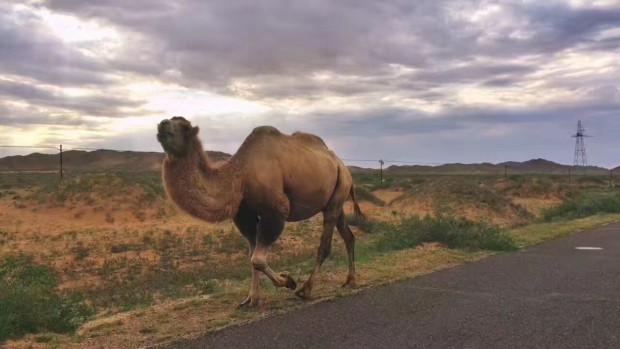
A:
[(546, 296)]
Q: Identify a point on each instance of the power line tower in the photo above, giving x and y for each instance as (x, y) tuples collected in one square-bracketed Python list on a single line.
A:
[(580, 146)]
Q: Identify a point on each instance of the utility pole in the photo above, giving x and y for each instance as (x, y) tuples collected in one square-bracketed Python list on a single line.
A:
[(580, 146), (61, 161), (381, 162)]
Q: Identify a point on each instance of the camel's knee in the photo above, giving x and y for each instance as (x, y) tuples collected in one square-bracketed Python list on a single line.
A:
[(251, 249), (324, 251), (258, 262)]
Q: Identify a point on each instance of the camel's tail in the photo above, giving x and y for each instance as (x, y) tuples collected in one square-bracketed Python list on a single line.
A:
[(359, 216)]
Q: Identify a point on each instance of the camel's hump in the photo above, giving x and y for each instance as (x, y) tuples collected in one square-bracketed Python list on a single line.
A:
[(266, 130), (309, 137)]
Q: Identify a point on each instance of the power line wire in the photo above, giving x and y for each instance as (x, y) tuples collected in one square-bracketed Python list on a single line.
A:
[(30, 146)]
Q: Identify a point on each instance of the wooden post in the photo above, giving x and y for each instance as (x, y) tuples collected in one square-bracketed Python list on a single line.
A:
[(381, 162), (61, 161), (505, 171), (611, 178)]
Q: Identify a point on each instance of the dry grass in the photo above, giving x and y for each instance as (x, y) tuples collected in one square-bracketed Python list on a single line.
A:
[(155, 274)]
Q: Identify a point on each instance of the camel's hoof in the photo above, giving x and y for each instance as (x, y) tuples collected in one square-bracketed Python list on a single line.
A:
[(289, 283), (304, 291), (248, 304), (301, 293), (350, 283)]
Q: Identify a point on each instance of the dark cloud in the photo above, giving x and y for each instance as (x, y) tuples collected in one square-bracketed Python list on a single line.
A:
[(501, 82), (217, 42), (27, 116), (97, 105), (559, 26), (28, 49), (212, 43), (602, 104)]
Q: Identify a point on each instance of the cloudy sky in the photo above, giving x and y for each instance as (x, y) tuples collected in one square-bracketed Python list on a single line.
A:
[(425, 81)]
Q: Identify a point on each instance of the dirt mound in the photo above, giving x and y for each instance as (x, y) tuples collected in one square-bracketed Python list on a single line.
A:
[(467, 198), (98, 198), (522, 187)]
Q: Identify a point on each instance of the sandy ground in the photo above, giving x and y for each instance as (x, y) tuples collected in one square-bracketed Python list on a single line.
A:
[(50, 231)]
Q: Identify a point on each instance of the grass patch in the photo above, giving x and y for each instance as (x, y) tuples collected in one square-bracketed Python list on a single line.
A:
[(584, 204), (536, 233), (451, 231), (30, 301)]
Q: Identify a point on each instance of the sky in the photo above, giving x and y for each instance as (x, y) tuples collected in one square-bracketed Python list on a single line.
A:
[(423, 81)]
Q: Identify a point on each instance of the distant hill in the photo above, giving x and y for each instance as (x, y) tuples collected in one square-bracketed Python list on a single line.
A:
[(530, 166), (112, 160), (98, 160)]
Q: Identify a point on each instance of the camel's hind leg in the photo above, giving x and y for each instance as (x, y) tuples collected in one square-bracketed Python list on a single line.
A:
[(349, 241), (331, 216)]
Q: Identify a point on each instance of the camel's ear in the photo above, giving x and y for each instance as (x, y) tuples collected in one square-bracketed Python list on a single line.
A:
[(195, 130)]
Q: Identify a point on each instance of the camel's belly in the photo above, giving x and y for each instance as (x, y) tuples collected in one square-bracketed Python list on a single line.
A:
[(300, 216), (302, 209)]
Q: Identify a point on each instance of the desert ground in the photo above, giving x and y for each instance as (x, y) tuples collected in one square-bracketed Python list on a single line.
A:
[(148, 273)]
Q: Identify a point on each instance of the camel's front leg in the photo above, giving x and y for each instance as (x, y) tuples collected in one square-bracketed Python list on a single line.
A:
[(246, 221), (270, 227), (259, 263), (253, 299), (268, 230)]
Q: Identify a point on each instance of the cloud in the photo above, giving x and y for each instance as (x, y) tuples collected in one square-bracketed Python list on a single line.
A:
[(27, 49), (215, 43), (346, 70), (90, 105)]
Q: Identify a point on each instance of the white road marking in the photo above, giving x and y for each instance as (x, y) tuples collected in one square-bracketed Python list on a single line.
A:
[(588, 248)]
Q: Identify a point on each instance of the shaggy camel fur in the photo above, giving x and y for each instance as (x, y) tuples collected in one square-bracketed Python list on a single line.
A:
[(273, 178)]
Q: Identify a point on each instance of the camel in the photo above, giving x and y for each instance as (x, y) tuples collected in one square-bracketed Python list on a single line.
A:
[(273, 178)]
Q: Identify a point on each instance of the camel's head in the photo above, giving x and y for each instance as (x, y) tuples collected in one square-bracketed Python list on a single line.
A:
[(176, 135)]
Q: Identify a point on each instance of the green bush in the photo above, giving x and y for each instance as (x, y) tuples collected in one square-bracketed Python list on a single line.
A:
[(583, 205), (30, 301), (454, 232), (366, 224)]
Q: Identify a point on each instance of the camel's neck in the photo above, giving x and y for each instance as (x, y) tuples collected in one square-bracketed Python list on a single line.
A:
[(201, 189)]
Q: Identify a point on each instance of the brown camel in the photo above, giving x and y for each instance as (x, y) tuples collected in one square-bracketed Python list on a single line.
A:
[(273, 178)]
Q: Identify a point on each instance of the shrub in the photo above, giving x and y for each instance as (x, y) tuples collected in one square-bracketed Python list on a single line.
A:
[(80, 251), (584, 205), (454, 232), (365, 224), (30, 301)]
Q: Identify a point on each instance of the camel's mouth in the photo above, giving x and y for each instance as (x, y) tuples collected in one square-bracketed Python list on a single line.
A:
[(162, 136), (164, 131)]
